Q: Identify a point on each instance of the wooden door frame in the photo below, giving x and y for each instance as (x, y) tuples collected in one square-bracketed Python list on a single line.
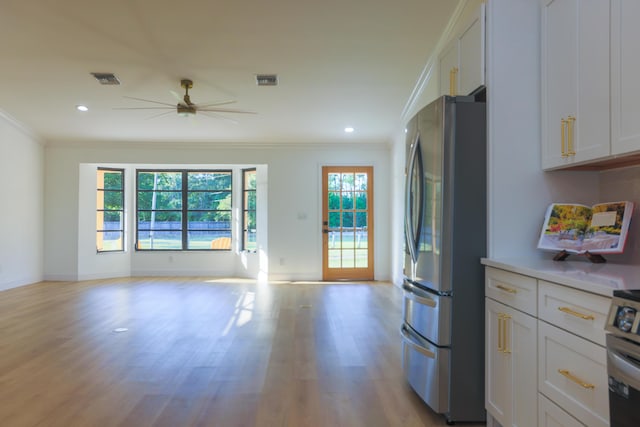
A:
[(348, 273)]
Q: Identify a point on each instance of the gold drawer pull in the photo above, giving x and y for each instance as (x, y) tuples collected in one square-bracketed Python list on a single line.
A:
[(500, 335), (563, 136), (507, 289), (565, 373), (505, 318), (453, 81), (576, 314)]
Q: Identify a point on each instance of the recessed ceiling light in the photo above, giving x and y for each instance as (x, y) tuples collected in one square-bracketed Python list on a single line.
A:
[(82, 108), (349, 129)]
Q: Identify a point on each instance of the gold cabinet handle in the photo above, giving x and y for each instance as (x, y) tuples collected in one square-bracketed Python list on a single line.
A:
[(563, 141), (500, 326), (565, 373), (570, 121), (507, 289), (505, 349), (453, 80), (576, 314)]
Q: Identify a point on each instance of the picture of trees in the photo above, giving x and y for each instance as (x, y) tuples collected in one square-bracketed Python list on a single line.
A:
[(579, 228)]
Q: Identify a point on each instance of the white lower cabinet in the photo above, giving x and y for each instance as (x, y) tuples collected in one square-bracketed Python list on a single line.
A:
[(510, 359), (546, 366), (551, 415), (573, 373)]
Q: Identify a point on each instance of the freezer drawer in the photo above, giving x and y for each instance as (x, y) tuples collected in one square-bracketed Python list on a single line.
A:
[(428, 314), (426, 368)]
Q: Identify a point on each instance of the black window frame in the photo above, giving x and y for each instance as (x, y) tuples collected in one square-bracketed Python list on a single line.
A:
[(103, 210), (245, 209), (184, 211)]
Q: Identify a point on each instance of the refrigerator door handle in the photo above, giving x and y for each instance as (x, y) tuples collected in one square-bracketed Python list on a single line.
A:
[(414, 293), (412, 236), (407, 339)]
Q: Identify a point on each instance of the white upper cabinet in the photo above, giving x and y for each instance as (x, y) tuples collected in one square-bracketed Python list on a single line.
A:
[(575, 81), (462, 61), (625, 69), (471, 45), (449, 66)]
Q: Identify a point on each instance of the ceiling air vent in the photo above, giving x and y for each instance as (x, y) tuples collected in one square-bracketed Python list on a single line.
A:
[(106, 78), (267, 79)]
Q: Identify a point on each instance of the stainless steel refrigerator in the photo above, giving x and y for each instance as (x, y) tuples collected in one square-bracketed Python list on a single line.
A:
[(445, 237)]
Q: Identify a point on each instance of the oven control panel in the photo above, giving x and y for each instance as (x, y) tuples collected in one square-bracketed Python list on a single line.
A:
[(624, 318)]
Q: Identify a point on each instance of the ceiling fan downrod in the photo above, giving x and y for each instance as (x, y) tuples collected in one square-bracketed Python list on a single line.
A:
[(186, 85)]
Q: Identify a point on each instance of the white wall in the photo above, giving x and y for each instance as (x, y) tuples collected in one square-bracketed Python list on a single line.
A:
[(293, 191), (21, 205)]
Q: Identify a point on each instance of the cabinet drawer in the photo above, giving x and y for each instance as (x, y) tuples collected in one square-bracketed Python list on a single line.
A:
[(576, 311), (512, 289), (551, 415), (572, 373)]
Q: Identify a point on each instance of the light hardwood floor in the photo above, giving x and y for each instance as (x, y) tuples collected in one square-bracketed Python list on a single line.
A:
[(204, 352)]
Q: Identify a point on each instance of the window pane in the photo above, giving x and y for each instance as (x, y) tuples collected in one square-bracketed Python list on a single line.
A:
[(161, 201), (347, 220), (250, 180), (160, 240), (209, 239), (250, 241), (362, 239), (361, 258), (361, 219), (347, 181), (250, 200), (334, 200), (250, 220), (348, 259), (109, 241), (334, 181), (111, 199), (347, 200), (348, 239), (160, 221), (112, 180), (361, 200), (361, 182), (209, 220), (334, 219), (110, 220), (205, 200), (334, 259), (159, 180), (209, 180)]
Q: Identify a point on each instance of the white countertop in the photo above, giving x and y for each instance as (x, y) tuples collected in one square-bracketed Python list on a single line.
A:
[(601, 279)]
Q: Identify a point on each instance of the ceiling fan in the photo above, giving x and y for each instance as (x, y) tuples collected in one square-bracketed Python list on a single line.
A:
[(185, 107)]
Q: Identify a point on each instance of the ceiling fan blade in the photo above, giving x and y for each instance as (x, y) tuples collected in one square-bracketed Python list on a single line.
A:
[(176, 96), (172, 107), (217, 116), (215, 104), (226, 110), (159, 115), (148, 100)]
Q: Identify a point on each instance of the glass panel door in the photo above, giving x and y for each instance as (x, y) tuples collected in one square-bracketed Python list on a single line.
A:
[(347, 223)]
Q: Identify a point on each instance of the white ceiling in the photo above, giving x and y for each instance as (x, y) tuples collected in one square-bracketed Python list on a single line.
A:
[(340, 63)]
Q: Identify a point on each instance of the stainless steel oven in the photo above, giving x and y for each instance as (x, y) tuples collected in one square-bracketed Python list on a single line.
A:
[(623, 359)]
